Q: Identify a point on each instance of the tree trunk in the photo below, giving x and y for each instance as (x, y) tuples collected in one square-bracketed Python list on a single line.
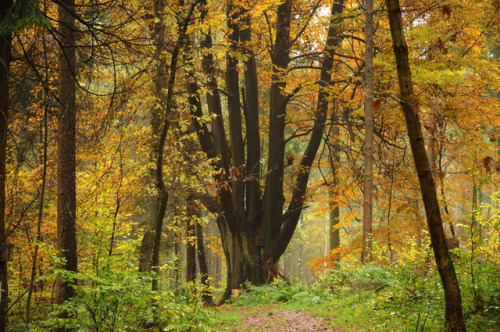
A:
[(5, 59), (254, 239), (191, 243), (40, 213), (453, 300), (334, 214), (333, 190), (218, 269), (66, 149), (366, 254), (150, 247), (242, 261), (202, 262)]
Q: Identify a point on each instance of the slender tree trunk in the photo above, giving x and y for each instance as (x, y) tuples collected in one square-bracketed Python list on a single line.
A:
[(333, 191), (218, 269), (5, 59), (40, 215), (334, 211), (202, 262), (453, 300), (366, 254), (148, 245), (292, 214), (191, 243), (150, 248), (66, 149), (389, 208)]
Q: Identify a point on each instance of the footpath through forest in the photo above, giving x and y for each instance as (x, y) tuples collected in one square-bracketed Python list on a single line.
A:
[(269, 318)]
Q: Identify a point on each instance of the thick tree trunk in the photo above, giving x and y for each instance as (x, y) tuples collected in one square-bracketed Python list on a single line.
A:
[(453, 300), (274, 200), (253, 241), (234, 109), (242, 260), (5, 58), (366, 254), (66, 149)]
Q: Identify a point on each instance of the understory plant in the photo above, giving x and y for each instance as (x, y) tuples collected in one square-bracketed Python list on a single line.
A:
[(117, 297)]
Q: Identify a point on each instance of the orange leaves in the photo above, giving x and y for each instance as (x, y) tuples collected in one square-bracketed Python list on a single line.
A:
[(320, 264), (376, 105)]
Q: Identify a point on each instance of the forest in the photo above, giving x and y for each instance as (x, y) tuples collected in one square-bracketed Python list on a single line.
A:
[(249, 165)]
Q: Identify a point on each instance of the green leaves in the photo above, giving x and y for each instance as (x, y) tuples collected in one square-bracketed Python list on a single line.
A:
[(22, 14)]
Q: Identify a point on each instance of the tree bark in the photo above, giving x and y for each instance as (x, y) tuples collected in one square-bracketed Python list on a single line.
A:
[(5, 59), (40, 213), (333, 191), (453, 300), (234, 109), (66, 150), (366, 254), (191, 243), (206, 296)]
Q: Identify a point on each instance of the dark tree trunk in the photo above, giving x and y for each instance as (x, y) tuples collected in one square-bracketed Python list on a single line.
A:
[(66, 148), (368, 150), (453, 300), (191, 243), (254, 239), (242, 259), (5, 58), (202, 262), (333, 190), (40, 214), (149, 251)]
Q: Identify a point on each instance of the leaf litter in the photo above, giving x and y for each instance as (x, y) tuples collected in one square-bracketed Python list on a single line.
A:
[(272, 318)]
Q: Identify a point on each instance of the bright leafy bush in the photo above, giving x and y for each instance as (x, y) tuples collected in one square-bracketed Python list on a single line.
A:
[(122, 300)]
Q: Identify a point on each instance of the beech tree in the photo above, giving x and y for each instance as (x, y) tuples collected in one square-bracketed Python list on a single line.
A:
[(255, 226)]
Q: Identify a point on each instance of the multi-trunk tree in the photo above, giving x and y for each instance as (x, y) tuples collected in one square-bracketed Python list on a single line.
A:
[(256, 225)]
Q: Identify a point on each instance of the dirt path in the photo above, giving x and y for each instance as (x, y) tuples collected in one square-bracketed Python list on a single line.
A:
[(271, 318)]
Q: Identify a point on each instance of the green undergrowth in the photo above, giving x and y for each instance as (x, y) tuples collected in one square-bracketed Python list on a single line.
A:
[(113, 299), (376, 298)]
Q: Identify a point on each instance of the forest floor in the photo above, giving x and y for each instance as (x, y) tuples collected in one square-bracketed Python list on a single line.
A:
[(268, 318)]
